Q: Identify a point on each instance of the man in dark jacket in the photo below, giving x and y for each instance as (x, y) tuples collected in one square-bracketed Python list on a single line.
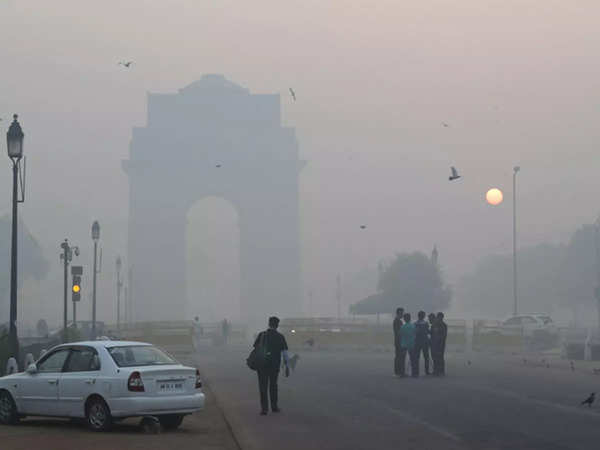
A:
[(422, 341), (439, 332), (276, 347), (397, 341)]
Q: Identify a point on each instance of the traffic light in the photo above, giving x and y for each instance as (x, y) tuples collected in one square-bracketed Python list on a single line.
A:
[(76, 289)]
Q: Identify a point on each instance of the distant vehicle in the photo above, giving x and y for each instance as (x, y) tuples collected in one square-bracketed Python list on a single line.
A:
[(103, 382), (528, 325)]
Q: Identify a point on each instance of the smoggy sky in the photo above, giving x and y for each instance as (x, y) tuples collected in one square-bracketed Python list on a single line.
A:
[(515, 80)]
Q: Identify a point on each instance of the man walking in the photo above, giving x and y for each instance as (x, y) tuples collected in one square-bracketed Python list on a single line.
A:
[(422, 341), (407, 345), (397, 325), (276, 347)]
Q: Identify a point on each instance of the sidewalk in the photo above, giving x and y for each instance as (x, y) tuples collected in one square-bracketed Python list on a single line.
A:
[(206, 430)]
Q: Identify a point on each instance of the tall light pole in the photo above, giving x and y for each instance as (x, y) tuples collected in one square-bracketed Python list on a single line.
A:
[(515, 171), (597, 247), (338, 295), (130, 292), (14, 144), (95, 238), (119, 286)]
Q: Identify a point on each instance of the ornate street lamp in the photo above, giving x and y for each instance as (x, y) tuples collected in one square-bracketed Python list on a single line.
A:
[(14, 145)]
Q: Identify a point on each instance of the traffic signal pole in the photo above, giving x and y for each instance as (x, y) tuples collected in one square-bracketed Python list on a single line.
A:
[(76, 272), (66, 257)]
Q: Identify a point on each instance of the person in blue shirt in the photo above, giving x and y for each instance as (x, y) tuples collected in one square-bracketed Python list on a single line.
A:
[(408, 335)]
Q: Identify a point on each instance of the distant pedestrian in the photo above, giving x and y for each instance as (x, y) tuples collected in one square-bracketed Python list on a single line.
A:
[(422, 341), (197, 331), (276, 348), (408, 335), (397, 325), (439, 333), (225, 330)]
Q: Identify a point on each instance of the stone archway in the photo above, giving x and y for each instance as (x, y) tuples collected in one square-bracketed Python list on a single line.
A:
[(214, 138)]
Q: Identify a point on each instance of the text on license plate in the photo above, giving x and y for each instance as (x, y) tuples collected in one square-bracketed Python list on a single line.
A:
[(170, 386)]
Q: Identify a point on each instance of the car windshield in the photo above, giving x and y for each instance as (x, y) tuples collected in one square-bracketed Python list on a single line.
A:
[(139, 355)]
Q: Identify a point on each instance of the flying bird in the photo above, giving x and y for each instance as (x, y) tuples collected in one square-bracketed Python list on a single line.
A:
[(362, 227), (453, 174), (588, 401), (293, 94), (125, 63), (445, 125), (218, 166)]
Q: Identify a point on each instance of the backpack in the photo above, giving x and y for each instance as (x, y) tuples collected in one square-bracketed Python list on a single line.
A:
[(258, 356)]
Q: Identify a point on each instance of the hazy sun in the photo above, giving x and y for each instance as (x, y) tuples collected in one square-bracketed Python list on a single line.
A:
[(494, 196)]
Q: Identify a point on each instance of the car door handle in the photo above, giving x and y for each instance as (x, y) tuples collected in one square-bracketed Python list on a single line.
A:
[(53, 381), (90, 381)]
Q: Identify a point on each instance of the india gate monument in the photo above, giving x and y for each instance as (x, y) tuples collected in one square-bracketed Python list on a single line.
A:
[(173, 163)]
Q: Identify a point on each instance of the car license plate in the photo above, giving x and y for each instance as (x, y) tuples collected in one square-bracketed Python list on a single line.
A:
[(170, 386)]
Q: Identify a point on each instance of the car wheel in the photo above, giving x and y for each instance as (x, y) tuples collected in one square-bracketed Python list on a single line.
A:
[(8, 409), (170, 421), (98, 415)]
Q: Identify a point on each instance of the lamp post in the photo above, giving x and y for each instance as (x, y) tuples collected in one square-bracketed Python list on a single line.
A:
[(596, 246), (119, 286), (95, 238), (14, 141), (515, 171)]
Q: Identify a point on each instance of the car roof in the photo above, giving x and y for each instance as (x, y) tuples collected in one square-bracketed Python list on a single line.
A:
[(104, 344)]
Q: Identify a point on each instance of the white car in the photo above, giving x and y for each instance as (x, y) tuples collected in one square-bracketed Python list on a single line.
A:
[(529, 324), (103, 381)]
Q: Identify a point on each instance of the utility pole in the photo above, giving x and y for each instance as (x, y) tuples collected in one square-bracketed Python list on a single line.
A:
[(129, 295), (126, 302), (95, 238), (597, 247), (515, 242), (119, 286), (338, 295)]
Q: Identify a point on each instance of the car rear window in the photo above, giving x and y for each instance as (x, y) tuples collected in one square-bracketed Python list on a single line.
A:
[(139, 355)]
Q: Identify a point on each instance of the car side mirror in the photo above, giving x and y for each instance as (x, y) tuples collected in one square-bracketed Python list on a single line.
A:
[(32, 369)]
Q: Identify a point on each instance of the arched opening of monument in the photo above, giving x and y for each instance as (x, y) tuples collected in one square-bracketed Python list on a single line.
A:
[(212, 260)]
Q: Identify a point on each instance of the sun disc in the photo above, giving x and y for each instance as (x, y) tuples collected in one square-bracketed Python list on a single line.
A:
[(494, 196)]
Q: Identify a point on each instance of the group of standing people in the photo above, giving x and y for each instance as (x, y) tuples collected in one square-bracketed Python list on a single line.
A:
[(426, 337)]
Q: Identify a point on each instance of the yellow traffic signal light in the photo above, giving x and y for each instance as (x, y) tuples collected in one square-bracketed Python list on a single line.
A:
[(76, 288)]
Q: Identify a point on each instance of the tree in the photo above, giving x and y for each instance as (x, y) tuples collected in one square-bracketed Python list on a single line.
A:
[(412, 281)]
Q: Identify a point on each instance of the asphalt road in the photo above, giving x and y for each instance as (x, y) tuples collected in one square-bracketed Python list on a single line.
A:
[(352, 401)]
